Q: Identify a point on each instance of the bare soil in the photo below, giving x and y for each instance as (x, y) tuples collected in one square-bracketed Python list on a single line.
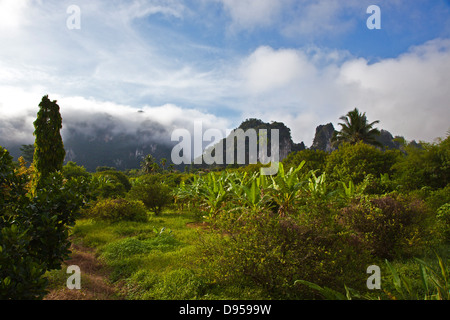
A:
[(94, 279)]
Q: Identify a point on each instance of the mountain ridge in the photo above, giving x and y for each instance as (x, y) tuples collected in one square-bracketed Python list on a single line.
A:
[(122, 150)]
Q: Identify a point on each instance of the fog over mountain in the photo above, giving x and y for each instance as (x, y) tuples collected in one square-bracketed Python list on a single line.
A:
[(120, 136), (108, 134)]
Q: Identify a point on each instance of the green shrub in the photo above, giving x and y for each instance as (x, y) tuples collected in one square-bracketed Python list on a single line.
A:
[(314, 160), (34, 229), (154, 196), (443, 218), (21, 274), (266, 251), (118, 184), (436, 198), (71, 170), (390, 226), (119, 210), (354, 162), (425, 166)]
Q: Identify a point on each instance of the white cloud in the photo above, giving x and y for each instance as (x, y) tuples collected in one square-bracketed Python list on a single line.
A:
[(12, 14), (408, 94), (18, 110), (267, 70), (248, 14), (111, 67)]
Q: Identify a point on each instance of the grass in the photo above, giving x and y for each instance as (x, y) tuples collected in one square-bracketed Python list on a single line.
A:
[(160, 259)]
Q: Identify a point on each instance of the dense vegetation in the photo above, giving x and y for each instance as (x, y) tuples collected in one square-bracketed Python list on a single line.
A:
[(308, 232)]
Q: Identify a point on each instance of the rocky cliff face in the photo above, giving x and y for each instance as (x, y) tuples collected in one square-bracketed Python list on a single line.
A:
[(286, 145), (324, 133), (322, 138)]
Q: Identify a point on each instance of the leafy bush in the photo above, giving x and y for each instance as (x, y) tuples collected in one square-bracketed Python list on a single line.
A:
[(443, 218), (21, 274), (435, 198), (270, 252), (314, 160), (118, 184), (429, 282), (114, 210), (389, 225), (153, 196), (354, 162), (72, 170), (34, 229), (424, 166)]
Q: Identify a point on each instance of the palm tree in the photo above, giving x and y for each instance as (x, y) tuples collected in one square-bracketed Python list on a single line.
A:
[(147, 163), (163, 162), (356, 129)]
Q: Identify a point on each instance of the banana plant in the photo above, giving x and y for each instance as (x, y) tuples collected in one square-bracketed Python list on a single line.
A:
[(253, 196), (435, 280), (214, 193), (348, 192), (285, 188)]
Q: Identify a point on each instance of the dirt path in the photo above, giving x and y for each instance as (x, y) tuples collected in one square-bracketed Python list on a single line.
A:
[(94, 284)]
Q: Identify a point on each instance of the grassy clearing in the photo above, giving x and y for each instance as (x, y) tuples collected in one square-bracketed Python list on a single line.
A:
[(156, 260)]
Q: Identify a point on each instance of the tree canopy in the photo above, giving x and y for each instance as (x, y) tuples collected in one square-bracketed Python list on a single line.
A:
[(356, 128), (49, 150)]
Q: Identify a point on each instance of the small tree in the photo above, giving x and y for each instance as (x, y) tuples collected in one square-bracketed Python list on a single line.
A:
[(356, 128), (147, 164), (163, 163), (49, 150), (155, 196)]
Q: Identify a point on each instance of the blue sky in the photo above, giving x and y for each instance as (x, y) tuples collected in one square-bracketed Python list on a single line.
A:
[(302, 62)]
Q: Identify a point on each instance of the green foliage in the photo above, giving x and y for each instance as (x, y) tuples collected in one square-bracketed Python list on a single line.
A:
[(154, 196), (314, 160), (49, 150), (443, 218), (435, 198), (356, 129), (181, 284), (163, 241), (34, 228), (21, 275), (72, 170), (355, 162), (424, 166), (389, 225), (285, 187), (148, 164), (115, 210), (104, 168), (268, 251), (112, 184), (434, 282)]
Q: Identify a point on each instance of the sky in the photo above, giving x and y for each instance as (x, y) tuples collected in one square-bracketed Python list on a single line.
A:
[(301, 62)]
